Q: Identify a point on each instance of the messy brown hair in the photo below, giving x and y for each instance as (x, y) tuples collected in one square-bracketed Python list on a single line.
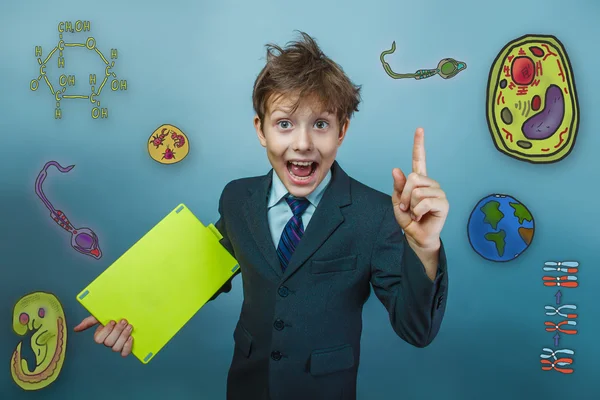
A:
[(302, 69)]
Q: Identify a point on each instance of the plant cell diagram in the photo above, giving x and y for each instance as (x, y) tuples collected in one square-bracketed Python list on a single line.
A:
[(532, 104)]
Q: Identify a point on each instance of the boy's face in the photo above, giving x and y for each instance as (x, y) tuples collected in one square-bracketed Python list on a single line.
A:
[(301, 146)]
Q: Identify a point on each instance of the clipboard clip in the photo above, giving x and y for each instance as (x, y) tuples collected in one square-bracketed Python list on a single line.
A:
[(215, 231), (211, 227)]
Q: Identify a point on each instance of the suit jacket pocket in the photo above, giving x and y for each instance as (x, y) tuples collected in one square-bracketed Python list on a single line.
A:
[(330, 360), (242, 339), (336, 265)]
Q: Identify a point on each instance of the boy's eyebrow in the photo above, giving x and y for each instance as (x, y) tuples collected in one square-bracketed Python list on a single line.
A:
[(285, 112), (324, 114), (288, 111)]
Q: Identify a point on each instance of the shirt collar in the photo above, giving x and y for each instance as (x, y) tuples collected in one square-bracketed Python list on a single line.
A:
[(279, 191)]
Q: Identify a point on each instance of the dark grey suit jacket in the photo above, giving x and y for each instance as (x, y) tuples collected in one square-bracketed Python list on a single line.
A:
[(298, 335)]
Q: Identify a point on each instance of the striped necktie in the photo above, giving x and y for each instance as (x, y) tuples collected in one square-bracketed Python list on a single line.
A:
[(293, 231)]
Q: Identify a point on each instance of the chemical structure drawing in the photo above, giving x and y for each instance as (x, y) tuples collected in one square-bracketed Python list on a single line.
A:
[(64, 81), (566, 311)]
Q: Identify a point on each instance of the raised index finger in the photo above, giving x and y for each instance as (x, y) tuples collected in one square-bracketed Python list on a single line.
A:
[(419, 166)]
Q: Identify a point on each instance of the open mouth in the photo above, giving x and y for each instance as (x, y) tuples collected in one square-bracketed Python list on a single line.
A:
[(302, 170)]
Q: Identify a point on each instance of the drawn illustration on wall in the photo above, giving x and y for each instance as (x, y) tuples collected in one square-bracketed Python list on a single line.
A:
[(168, 144), (532, 105), (500, 228), (447, 68), (559, 310), (567, 281), (84, 240), (66, 80), (567, 324), (41, 315), (556, 363)]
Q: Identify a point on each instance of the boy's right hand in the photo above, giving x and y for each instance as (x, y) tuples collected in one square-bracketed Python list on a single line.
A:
[(114, 335)]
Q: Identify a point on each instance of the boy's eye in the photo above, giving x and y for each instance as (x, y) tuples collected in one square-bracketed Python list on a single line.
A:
[(322, 124), (284, 124)]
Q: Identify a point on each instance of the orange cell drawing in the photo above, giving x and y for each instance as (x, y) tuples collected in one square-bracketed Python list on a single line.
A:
[(168, 145)]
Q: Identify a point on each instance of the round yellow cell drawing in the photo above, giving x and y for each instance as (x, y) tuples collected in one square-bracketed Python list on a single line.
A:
[(42, 314), (532, 105), (168, 144)]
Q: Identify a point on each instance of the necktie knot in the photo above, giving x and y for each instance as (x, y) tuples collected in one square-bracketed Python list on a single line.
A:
[(298, 205)]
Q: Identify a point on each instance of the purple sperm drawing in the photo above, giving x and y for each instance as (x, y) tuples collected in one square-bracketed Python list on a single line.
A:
[(84, 240)]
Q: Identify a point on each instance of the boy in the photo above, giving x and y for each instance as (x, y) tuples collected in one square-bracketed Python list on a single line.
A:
[(310, 240)]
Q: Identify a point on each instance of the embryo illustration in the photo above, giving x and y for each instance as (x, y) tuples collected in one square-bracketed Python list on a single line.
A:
[(42, 314)]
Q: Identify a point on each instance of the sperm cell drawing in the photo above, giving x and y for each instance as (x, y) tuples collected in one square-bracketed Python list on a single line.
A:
[(83, 240), (447, 68)]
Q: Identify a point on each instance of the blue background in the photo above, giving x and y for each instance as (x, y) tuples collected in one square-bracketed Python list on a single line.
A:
[(193, 64)]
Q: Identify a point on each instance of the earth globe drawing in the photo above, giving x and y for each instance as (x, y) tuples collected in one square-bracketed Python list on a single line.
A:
[(500, 228)]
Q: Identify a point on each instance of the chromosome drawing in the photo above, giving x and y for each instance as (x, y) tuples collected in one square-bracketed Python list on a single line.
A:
[(42, 314), (500, 228), (532, 105), (570, 267), (65, 80), (447, 68), (550, 361), (168, 144), (563, 310), (567, 324), (84, 240)]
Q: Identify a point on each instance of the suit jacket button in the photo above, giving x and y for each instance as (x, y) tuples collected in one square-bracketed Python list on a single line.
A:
[(283, 291), (275, 355), (278, 324)]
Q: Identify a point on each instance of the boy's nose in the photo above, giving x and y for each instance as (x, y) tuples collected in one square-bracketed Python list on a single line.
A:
[(303, 141)]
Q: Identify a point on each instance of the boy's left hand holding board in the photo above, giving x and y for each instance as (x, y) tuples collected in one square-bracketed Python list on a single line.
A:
[(420, 207)]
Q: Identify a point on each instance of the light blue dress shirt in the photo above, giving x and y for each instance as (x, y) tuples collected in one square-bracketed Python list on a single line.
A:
[(279, 212)]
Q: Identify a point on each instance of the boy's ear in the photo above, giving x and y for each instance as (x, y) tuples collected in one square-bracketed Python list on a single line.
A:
[(259, 132), (343, 130)]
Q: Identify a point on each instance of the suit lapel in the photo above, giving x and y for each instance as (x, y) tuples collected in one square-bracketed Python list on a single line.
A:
[(325, 220), (255, 210)]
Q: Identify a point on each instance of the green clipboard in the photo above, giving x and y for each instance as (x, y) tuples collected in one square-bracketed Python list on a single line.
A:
[(162, 281)]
